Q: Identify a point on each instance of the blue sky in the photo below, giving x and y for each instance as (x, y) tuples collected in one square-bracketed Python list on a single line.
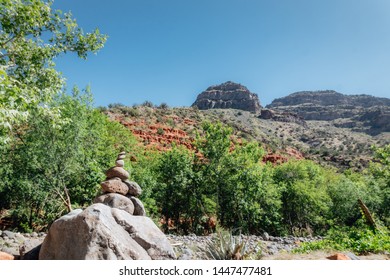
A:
[(171, 50)]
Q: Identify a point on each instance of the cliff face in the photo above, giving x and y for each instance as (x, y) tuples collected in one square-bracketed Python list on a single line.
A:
[(228, 95), (363, 113), (329, 98)]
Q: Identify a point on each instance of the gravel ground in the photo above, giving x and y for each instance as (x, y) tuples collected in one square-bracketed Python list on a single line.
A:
[(187, 247)]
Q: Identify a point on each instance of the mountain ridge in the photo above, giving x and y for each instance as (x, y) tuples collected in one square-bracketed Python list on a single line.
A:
[(340, 134), (361, 112), (329, 97)]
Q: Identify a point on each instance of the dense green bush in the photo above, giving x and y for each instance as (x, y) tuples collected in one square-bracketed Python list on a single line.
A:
[(359, 239)]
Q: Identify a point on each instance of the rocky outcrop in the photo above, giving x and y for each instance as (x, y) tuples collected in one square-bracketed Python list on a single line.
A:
[(268, 114), (362, 113), (228, 95), (115, 227)]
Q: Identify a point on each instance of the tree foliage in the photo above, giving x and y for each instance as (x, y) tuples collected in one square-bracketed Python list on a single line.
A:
[(32, 35), (54, 168)]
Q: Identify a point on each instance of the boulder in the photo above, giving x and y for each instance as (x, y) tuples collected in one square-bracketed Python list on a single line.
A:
[(120, 163), (100, 232), (115, 200), (117, 172), (339, 257), (147, 234), (139, 209), (114, 185), (133, 188), (5, 256)]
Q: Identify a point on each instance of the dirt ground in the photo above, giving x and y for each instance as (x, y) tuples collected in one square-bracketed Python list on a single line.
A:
[(321, 255)]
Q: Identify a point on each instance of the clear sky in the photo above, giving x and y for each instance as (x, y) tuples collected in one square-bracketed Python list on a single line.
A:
[(171, 50)]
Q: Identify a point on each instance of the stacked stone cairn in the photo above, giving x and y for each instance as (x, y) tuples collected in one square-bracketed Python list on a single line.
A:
[(119, 192)]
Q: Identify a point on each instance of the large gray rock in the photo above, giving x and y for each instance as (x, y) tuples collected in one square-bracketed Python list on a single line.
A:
[(100, 232), (147, 234), (115, 200)]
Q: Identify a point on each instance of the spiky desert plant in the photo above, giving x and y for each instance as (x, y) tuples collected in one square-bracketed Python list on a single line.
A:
[(224, 246)]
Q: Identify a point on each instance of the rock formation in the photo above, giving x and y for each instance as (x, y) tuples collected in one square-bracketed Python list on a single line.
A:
[(363, 113), (228, 95), (114, 227), (268, 114)]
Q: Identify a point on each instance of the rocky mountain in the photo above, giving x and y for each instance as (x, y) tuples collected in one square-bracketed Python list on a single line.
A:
[(325, 126), (228, 95), (362, 113)]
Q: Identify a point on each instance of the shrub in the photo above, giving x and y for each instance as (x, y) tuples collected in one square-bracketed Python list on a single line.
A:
[(147, 104), (360, 239)]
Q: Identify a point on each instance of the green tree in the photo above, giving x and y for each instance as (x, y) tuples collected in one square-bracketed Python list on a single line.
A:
[(249, 200), (305, 200), (214, 146), (380, 174), (54, 168), (175, 194), (32, 35)]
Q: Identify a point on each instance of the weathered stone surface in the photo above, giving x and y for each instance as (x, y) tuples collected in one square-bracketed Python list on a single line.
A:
[(114, 185), (228, 95), (134, 188), (115, 200), (139, 209), (147, 234), (117, 172), (339, 257), (100, 232), (120, 163), (6, 257), (121, 157)]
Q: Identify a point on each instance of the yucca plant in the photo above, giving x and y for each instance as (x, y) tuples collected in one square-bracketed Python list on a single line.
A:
[(224, 246)]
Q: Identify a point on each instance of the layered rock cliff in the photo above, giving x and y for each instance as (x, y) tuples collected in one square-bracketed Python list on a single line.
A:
[(361, 112), (228, 95)]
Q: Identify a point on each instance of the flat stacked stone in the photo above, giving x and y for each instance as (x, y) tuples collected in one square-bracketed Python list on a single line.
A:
[(119, 192)]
